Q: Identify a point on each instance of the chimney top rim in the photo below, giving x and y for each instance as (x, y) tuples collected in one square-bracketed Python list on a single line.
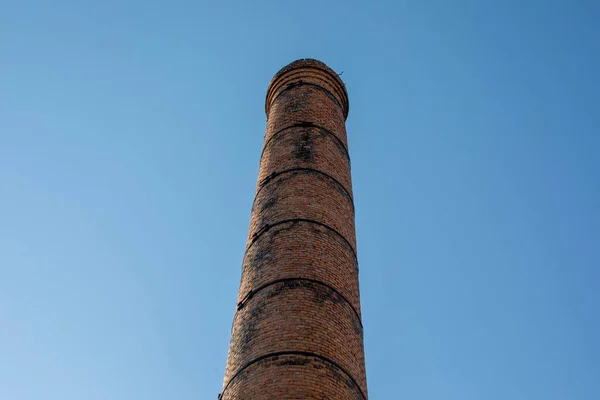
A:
[(310, 63)]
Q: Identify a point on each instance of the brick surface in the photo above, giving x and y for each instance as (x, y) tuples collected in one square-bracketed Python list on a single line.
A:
[(297, 249), (298, 315), (290, 377), (310, 147), (306, 104), (303, 194), (297, 332)]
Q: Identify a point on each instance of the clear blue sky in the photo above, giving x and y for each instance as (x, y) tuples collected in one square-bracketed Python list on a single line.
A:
[(130, 135)]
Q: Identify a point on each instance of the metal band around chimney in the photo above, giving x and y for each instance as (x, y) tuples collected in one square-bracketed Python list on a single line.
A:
[(297, 84), (253, 292), (306, 124), (294, 353), (275, 174), (266, 227)]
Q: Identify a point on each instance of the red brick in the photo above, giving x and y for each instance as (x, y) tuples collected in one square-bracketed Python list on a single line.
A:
[(297, 332)]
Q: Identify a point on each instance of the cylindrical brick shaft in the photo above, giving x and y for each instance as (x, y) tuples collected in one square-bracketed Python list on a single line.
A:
[(297, 331)]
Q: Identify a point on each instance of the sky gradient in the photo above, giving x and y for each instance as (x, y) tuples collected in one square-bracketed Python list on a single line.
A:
[(130, 136)]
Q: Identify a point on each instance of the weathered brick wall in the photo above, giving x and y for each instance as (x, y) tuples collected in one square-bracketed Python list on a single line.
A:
[(297, 331)]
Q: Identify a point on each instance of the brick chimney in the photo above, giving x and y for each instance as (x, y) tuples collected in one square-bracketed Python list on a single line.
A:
[(297, 332)]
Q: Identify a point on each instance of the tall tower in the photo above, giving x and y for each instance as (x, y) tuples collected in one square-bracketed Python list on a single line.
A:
[(297, 332)]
